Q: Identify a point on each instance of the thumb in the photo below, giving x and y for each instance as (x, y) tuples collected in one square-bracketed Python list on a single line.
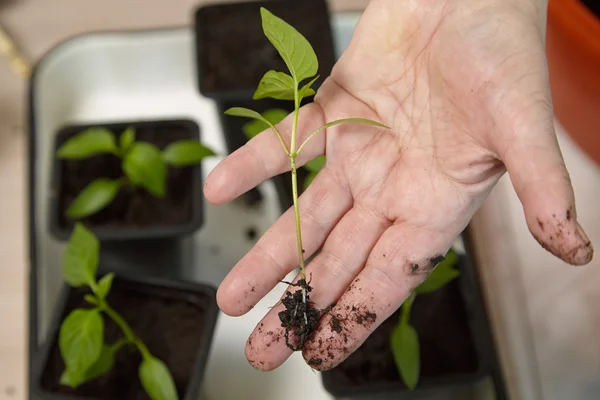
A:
[(541, 180)]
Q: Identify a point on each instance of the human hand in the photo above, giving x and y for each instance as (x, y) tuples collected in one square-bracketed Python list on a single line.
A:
[(463, 84)]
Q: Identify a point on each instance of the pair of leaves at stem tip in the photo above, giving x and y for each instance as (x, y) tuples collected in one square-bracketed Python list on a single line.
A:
[(298, 55), (143, 163), (404, 340)]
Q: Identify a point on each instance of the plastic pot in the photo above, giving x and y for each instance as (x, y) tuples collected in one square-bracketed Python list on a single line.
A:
[(176, 321), (134, 213), (573, 50), (233, 52), (458, 357)]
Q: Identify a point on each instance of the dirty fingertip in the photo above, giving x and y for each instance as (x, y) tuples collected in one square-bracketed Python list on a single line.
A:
[(563, 236)]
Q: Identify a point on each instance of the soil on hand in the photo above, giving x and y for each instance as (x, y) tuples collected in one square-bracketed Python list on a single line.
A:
[(133, 207), (169, 321), (300, 317), (235, 53), (445, 341), (593, 5)]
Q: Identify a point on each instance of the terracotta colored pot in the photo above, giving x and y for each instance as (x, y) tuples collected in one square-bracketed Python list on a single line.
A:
[(573, 48)]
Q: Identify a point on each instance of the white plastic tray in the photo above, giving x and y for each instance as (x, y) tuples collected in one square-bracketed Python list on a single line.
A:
[(123, 76)]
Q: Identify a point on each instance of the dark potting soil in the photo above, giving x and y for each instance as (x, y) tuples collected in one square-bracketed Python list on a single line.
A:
[(169, 321), (133, 207), (445, 341), (235, 53), (593, 5), (300, 317)]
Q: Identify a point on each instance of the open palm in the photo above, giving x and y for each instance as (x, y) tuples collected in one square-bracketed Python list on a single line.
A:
[(463, 86)]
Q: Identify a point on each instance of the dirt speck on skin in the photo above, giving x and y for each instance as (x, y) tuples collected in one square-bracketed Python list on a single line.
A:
[(315, 362), (541, 224), (335, 324), (435, 260), (365, 318)]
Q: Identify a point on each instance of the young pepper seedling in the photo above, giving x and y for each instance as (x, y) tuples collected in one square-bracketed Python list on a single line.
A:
[(299, 315), (143, 164), (81, 335), (404, 340)]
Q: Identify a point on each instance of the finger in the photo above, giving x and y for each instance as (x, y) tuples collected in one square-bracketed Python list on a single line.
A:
[(343, 256), (537, 170), (276, 253), (263, 157), (400, 261)]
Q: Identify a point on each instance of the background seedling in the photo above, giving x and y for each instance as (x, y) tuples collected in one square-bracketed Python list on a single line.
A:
[(143, 164), (275, 116), (81, 335), (299, 315), (404, 341)]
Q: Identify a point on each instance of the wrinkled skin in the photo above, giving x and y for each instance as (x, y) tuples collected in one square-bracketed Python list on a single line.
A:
[(463, 85)]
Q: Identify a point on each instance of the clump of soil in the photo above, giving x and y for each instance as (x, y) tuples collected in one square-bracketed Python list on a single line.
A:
[(132, 207), (169, 321), (300, 316)]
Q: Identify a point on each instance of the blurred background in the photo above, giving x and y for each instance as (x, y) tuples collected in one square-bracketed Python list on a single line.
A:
[(544, 317)]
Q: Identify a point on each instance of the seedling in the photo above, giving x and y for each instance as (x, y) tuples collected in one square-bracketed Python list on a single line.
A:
[(404, 341), (143, 164), (81, 335), (300, 316), (275, 116)]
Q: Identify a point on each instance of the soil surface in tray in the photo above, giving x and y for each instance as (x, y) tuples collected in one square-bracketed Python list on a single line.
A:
[(593, 5), (169, 321), (445, 341), (132, 207), (235, 52)]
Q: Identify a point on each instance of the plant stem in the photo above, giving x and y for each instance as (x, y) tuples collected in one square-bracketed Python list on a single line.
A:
[(297, 215), (293, 155), (406, 308), (129, 335)]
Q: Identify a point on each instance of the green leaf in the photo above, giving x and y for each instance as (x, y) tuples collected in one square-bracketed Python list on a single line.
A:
[(157, 380), (307, 90), (80, 340), (71, 379), (186, 152), (126, 139), (103, 364), (88, 143), (405, 348), (244, 112), (80, 260), (349, 120), (91, 299), (273, 115), (276, 85), (316, 164), (93, 198), (145, 167), (443, 273), (294, 49), (104, 285)]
